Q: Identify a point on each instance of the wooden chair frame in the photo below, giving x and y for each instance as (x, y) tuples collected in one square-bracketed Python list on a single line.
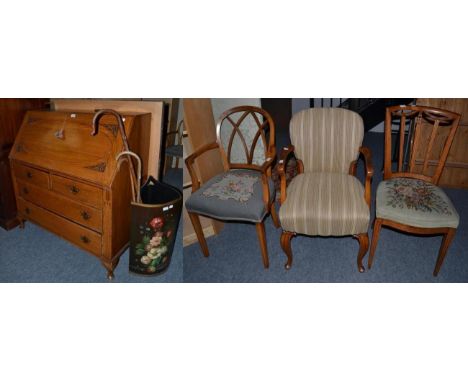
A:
[(363, 238), (264, 169), (440, 118), (177, 140)]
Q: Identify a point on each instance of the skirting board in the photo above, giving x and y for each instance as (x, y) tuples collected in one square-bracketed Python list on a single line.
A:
[(192, 238)]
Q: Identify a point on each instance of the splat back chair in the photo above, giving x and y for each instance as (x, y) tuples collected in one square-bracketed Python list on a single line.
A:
[(244, 191), (325, 198), (408, 198)]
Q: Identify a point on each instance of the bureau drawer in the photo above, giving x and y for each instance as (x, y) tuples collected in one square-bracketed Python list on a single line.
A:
[(31, 175), (82, 237), (79, 213), (77, 191)]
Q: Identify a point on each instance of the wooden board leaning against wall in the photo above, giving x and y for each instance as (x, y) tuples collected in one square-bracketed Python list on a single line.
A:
[(200, 126), (455, 173)]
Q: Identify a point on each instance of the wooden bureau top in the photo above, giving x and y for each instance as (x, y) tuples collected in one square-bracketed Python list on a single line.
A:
[(61, 142)]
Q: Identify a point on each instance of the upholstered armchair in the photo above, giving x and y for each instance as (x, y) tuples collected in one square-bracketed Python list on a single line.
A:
[(244, 192), (325, 198)]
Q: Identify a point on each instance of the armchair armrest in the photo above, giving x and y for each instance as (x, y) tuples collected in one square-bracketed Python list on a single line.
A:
[(281, 170), (270, 158), (369, 168), (189, 161)]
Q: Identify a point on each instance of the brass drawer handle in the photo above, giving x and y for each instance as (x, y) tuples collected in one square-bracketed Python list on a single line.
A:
[(74, 190), (25, 190), (29, 175), (84, 239), (85, 215)]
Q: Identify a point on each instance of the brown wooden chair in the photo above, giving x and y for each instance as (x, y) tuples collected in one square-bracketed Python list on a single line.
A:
[(408, 198), (245, 191), (176, 148), (325, 198)]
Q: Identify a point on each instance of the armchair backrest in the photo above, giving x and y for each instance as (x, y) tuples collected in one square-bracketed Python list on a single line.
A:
[(246, 136), (326, 139)]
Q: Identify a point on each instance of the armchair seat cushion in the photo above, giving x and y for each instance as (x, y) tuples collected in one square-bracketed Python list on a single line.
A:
[(232, 195), (325, 204), (415, 203)]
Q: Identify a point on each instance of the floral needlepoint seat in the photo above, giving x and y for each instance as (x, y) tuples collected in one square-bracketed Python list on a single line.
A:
[(415, 202), (233, 195), (245, 141), (409, 198)]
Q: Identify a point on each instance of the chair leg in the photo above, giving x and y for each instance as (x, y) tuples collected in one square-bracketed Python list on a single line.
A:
[(363, 239), (274, 215), (286, 246), (263, 246), (195, 219), (448, 237), (375, 239)]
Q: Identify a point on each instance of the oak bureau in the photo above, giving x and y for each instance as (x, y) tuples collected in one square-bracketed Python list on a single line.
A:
[(68, 181)]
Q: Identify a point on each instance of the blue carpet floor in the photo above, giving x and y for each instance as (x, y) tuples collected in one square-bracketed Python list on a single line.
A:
[(36, 255), (235, 253)]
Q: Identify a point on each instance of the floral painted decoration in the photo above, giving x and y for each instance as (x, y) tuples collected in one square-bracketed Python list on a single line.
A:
[(233, 186), (417, 195), (153, 247)]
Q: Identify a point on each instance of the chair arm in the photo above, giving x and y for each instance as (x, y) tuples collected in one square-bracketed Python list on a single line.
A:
[(281, 170), (369, 168), (270, 158), (189, 162)]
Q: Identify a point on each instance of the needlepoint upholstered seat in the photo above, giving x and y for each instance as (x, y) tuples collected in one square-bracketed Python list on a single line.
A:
[(415, 202), (409, 199), (325, 198), (244, 191), (233, 195)]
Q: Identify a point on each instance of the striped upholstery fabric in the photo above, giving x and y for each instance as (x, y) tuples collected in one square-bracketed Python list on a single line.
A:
[(326, 139), (325, 204)]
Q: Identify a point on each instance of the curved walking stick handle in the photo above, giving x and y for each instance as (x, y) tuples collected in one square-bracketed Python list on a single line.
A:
[(136, 197), (100, 113), (131, 153)]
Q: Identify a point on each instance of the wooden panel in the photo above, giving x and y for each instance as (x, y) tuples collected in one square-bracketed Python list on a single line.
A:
[(153, 107), (31, 175), (76, 190), (80, 236), (201, 129), (12, 112), (79, 213), (455, 173)]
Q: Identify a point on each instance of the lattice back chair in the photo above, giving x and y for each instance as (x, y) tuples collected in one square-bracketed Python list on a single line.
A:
[(325, 198), (244, 191), (409, 199)]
